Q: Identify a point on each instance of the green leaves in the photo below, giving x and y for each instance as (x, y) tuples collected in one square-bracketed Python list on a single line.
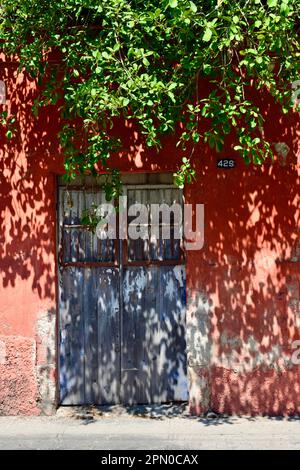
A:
[(9, 134), (272, 3), (185, 174), (193, 7), (7, 121), (209, 28), (174, 64), (207, 34)]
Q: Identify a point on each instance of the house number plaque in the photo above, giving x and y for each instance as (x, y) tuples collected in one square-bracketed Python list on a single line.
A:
[(227, 163)]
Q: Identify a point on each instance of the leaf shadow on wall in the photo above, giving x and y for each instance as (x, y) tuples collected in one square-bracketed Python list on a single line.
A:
[(244, 284)]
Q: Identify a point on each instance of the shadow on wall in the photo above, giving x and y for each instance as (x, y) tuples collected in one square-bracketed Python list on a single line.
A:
[(244, 285), (27, 189), (27, 251)]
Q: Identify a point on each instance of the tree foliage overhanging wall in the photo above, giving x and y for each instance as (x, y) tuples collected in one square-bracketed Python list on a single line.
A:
[(145, 60)]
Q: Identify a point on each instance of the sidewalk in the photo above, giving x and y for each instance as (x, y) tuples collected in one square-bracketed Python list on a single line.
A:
[(159, 431)]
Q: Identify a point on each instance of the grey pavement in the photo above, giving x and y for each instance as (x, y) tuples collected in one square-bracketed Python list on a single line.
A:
[(124, 430)]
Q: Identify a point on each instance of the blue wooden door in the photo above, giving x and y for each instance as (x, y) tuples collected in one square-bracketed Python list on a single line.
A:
[(122, 309)]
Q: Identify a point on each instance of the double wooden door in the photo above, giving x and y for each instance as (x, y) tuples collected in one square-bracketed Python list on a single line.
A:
[(121, 308)]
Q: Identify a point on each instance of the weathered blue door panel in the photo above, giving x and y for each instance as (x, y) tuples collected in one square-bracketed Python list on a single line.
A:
[(153, 361), (89, 336), (122, 327)]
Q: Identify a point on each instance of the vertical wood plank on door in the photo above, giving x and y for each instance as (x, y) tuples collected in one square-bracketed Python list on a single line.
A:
[(72, 387), (107, 301), (173, 367), (135, 374), (90, 314)]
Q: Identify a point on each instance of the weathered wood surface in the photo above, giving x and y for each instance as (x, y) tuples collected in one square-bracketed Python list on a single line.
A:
[(153, 340), (122, 329), (89, 332)]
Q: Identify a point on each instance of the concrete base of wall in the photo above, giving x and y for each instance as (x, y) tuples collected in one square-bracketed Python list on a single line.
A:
[(28, 371)]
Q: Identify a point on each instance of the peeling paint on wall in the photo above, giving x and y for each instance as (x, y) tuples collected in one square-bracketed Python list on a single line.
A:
[(46, 360), (245, 356), (198, 350)]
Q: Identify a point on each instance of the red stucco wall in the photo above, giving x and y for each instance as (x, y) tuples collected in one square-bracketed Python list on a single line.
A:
[(27, 253), (243, 286), (246, 286)]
